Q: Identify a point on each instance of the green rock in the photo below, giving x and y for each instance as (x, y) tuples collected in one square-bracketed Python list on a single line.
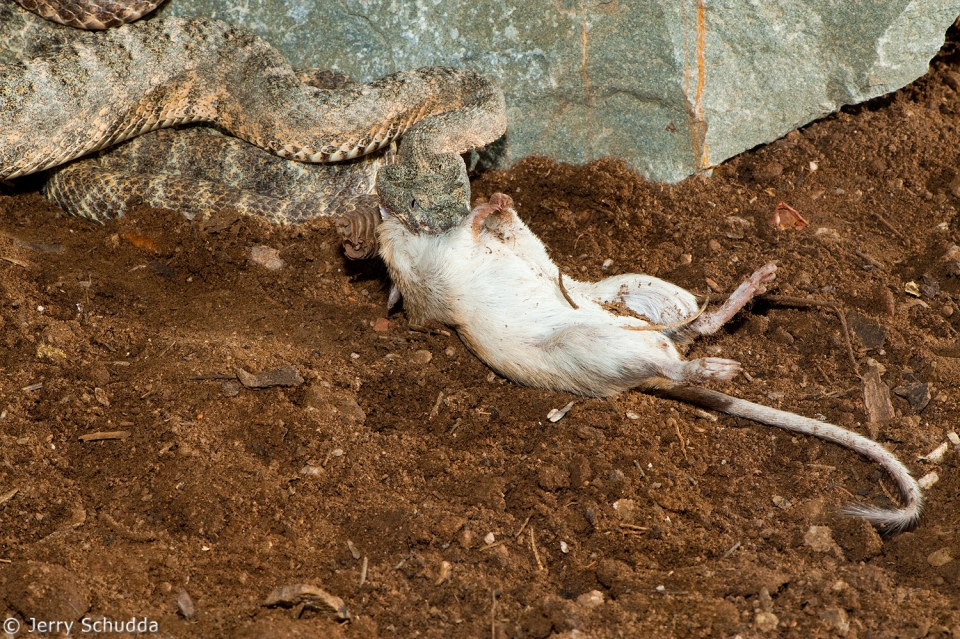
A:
[(673, 88)]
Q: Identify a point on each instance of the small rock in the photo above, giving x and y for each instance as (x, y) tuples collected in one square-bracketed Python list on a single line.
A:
[(714, 246), (928, 480), (820, 539), (947, 310), (916, 394), (282, 376), (185, 605), (590, 600), (339, 403), (268, 258), (765, 621), (551, 478), (952, 80), (768, 171), (230, 388), (929, 287), (836, 619), (607, 263), (627, 510), (940, 557), (489, 538), (421, 357), (382, 325), (311, 597), (782, 502), (859, 540), (781, 336)]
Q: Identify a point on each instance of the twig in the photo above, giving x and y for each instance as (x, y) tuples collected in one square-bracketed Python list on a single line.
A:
[(436, 407), (846, 338), (824, 373), (104, 435), (733, 549), (525, 522), (536, 555), (363, 570), (683, 444), (201, 378), (563, 290), (889, 226)]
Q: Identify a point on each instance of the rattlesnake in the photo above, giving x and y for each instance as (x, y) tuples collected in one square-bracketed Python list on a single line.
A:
[(66, 93)]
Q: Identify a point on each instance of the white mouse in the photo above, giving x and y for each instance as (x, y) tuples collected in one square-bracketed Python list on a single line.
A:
[(491, 279)]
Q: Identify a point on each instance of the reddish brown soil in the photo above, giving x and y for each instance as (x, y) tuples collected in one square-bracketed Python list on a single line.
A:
[(684, 526)]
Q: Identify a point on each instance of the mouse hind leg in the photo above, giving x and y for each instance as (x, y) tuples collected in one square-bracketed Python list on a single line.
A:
[(710, 323)]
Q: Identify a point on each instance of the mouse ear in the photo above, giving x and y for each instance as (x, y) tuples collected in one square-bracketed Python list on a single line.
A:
[(498, 211)]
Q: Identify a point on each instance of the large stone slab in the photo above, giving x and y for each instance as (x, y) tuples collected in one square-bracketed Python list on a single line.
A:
[(671, 86)]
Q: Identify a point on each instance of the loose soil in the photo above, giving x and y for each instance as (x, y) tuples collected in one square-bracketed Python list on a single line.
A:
[(434, 497)]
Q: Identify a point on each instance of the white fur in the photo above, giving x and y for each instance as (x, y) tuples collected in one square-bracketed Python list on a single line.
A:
[(491, 279)]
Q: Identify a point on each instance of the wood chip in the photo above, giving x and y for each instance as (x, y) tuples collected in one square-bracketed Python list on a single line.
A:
[(876, 395), (7, 496), (310, 597), (103, 435)]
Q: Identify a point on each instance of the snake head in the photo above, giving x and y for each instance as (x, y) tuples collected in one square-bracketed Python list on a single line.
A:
[(430, 196)]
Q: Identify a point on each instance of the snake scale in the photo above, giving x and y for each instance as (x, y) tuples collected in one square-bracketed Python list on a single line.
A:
[(68, 93)]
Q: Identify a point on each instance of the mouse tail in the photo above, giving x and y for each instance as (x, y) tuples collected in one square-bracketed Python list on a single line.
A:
[(886, 520)]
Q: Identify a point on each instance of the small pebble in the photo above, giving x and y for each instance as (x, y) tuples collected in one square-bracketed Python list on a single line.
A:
[(928, 480), (590, 600), (564, 548), (489, 539), (607, 263), (268, 258), (421, 357), (230, 388), (765, 621), (185, 605), (382, 325), (940, 557)]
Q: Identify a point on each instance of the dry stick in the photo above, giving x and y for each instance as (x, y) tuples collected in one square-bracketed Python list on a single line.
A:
[(889, 226), (846, 339), (563, 290), (363, 570), (525, 522), (493, 615), (100, 436), (536, 555), (683, 444)]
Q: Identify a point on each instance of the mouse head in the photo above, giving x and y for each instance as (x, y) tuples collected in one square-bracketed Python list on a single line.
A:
[(427, 195)]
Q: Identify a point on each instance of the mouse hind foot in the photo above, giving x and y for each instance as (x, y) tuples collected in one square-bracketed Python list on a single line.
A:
[(710, 323)]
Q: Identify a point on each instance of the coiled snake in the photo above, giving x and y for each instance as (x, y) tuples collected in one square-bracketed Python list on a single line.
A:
[(66, 93)]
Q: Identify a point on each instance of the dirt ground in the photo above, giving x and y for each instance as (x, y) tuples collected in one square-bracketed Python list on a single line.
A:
[(433, 497)]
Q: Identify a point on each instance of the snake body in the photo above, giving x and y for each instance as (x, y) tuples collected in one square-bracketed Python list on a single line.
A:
[(66, 93)]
